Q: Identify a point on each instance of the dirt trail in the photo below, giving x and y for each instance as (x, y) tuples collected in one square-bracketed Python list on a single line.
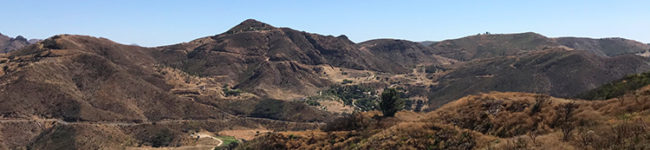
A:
[(203, 135), (204, 141)]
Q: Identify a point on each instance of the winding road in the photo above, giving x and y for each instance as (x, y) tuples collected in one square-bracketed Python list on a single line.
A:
[(204, 135)]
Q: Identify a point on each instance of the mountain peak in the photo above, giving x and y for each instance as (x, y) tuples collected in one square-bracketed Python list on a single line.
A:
[(21, 38), (250, 25), (252, 21)]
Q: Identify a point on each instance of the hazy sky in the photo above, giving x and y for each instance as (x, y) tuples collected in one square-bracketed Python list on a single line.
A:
[(163, 22)]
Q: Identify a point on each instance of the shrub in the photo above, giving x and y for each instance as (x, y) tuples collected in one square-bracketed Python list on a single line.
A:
[(539, 101), (349, 93), (229, 142), (516, 144), (230, 92), (418, 105), (312, 102), (408, 104), (269, 108), (391, 102), (434, 68), (565, 119), (162, 138), (348, 122), (346, 81)]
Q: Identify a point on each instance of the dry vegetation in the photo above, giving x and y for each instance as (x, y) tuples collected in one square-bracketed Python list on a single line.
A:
[(89, 93), (276, 88), (486, 121)]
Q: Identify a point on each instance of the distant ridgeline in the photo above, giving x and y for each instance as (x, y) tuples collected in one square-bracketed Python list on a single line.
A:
[(8, 44)]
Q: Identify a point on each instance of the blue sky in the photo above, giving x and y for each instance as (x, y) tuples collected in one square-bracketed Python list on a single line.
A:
[(163, 22)]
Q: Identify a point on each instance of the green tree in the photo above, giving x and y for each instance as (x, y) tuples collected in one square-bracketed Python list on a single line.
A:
[(391, 102)]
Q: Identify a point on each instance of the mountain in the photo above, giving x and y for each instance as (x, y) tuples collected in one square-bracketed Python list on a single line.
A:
[(558, 72), (270, 61), (9, 44), (605, 46), (491, 45), (72, 82), (83, 92), (524, 62), (90, 79)]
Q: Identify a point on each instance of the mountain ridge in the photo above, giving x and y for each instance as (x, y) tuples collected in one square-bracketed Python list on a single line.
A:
[(490, 45), (259, 77)]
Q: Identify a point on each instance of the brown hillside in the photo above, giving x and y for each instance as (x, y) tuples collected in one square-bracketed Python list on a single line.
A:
[(557, 72), (605, 46), (260, 57), (487, 121), (84, 78), (404, 53), (77, 83), (493, 45), (82, 92)]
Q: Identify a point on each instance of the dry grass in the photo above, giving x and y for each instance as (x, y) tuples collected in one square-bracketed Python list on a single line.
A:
[(494, 120), (246, 134)]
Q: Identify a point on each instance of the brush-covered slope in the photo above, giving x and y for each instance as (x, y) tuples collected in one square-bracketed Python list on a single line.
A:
[(556, 72), (492, 45), (630, 83), (98, 94), (84, 78), (532, 121), (486, 121), (266, 60), (605, 46), (404, 53)]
